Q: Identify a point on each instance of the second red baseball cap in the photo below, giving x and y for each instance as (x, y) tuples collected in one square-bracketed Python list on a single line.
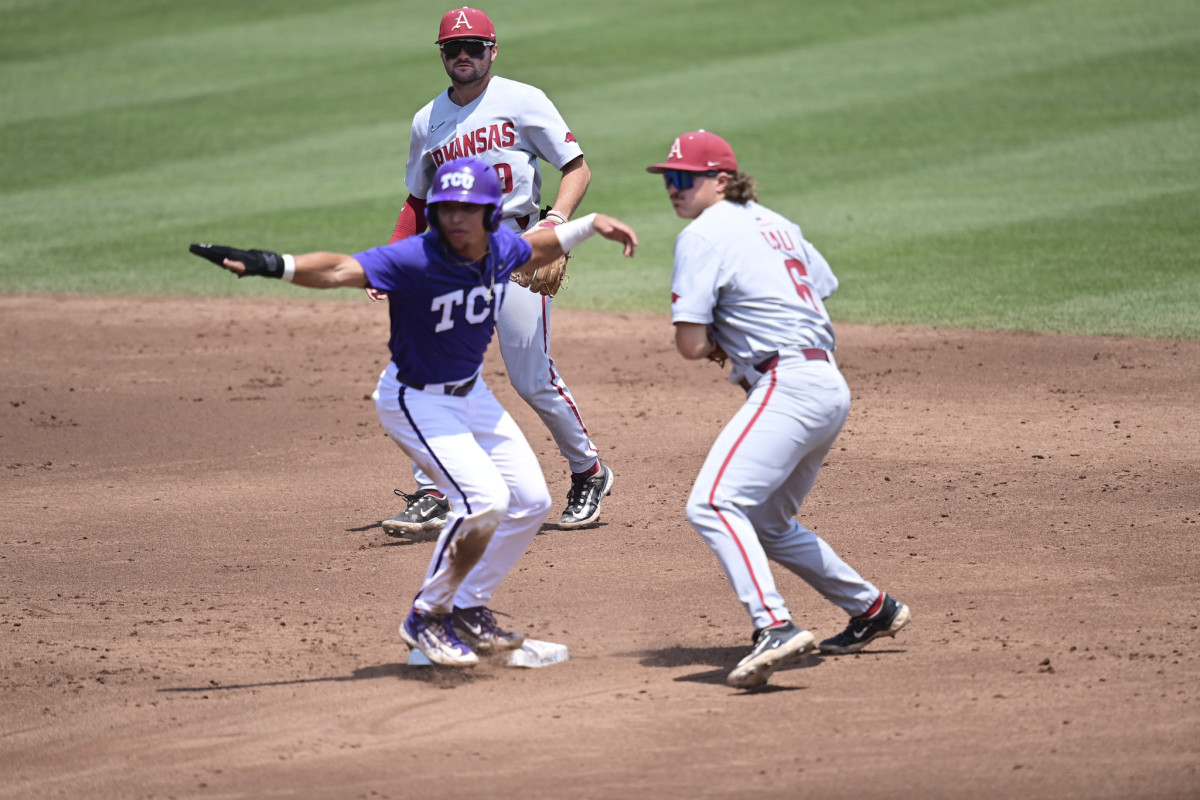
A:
[(698, 151), (466, 23)]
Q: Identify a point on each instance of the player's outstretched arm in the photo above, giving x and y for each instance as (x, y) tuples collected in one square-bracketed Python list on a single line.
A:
[(550, 243), (315, 270), (329, 271)]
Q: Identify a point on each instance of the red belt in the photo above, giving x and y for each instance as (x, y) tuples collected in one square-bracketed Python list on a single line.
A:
[(809, 353)]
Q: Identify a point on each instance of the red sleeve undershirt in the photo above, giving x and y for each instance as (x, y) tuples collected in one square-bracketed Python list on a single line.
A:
[(411, 220)]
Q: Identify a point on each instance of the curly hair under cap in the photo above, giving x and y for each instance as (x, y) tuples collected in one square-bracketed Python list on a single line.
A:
[(741, 188)]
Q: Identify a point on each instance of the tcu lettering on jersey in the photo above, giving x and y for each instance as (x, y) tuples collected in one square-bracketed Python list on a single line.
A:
[(475, 142), (477, 305)]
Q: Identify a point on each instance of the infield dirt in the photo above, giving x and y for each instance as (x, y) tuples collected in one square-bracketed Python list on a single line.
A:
[(197, 599)]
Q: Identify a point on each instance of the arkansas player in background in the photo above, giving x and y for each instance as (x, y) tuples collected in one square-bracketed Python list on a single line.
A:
[(511, 126)]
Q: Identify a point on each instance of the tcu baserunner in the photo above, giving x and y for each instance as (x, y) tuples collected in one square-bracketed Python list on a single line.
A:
[(509, 125), (747, 284), (447, 288)]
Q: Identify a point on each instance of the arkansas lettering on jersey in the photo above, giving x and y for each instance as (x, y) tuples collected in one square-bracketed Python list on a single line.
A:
[(479, 140), (512, 126)]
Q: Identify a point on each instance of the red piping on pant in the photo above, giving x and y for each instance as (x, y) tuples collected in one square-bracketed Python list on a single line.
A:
[(720, 516)]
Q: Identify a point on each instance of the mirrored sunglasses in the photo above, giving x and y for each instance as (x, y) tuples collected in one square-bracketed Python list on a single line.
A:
[(682, 179), (474, 47)]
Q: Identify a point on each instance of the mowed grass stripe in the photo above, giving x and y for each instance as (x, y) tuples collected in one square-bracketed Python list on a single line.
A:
[(100, 267), (1113, 127), (84, 147), (820, 134), (990, 116), (289, 174), (908, 139), (1052, 274), (32, 29), (797, 78), (181, 62), (1129, 162)]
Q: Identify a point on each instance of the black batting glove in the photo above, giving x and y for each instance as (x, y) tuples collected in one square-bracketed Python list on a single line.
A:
[(258, 262)]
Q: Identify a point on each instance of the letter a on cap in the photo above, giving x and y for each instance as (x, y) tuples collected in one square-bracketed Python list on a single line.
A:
[(705, 152), (466, 23)]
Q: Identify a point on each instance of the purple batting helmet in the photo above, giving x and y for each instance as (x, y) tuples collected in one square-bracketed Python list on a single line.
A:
[(466, 180)]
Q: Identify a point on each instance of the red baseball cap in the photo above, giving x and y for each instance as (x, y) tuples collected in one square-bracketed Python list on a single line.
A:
[(698, 151), (466, 23)]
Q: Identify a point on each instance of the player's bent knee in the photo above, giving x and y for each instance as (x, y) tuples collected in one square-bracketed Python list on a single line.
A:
[(486, 520), (540, 505), (494, 494), (469, 544), (699, 511), (703, 511), (530, 500), (531, 393)]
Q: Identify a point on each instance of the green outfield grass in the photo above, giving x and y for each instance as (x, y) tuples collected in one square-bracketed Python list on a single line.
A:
[(1004, 164)]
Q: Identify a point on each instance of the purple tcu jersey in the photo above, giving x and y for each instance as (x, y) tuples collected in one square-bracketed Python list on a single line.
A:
[(443, 311)]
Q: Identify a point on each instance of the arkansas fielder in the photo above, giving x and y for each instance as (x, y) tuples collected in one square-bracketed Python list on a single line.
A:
[(510, 126), (748, 287)]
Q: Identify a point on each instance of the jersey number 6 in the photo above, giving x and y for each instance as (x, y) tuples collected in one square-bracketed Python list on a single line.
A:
[(798, 272)]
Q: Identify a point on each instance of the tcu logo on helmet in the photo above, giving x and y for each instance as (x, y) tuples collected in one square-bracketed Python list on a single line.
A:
[(463, 180)]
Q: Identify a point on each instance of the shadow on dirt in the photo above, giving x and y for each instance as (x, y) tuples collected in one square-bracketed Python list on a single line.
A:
[(722, 658), (441, 677)]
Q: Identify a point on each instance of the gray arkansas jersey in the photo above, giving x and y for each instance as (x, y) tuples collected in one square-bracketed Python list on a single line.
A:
[(510, 126), (758, 302)]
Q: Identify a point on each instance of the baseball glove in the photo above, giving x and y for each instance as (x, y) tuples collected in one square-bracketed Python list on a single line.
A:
[(550, 278), (717, 355)]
